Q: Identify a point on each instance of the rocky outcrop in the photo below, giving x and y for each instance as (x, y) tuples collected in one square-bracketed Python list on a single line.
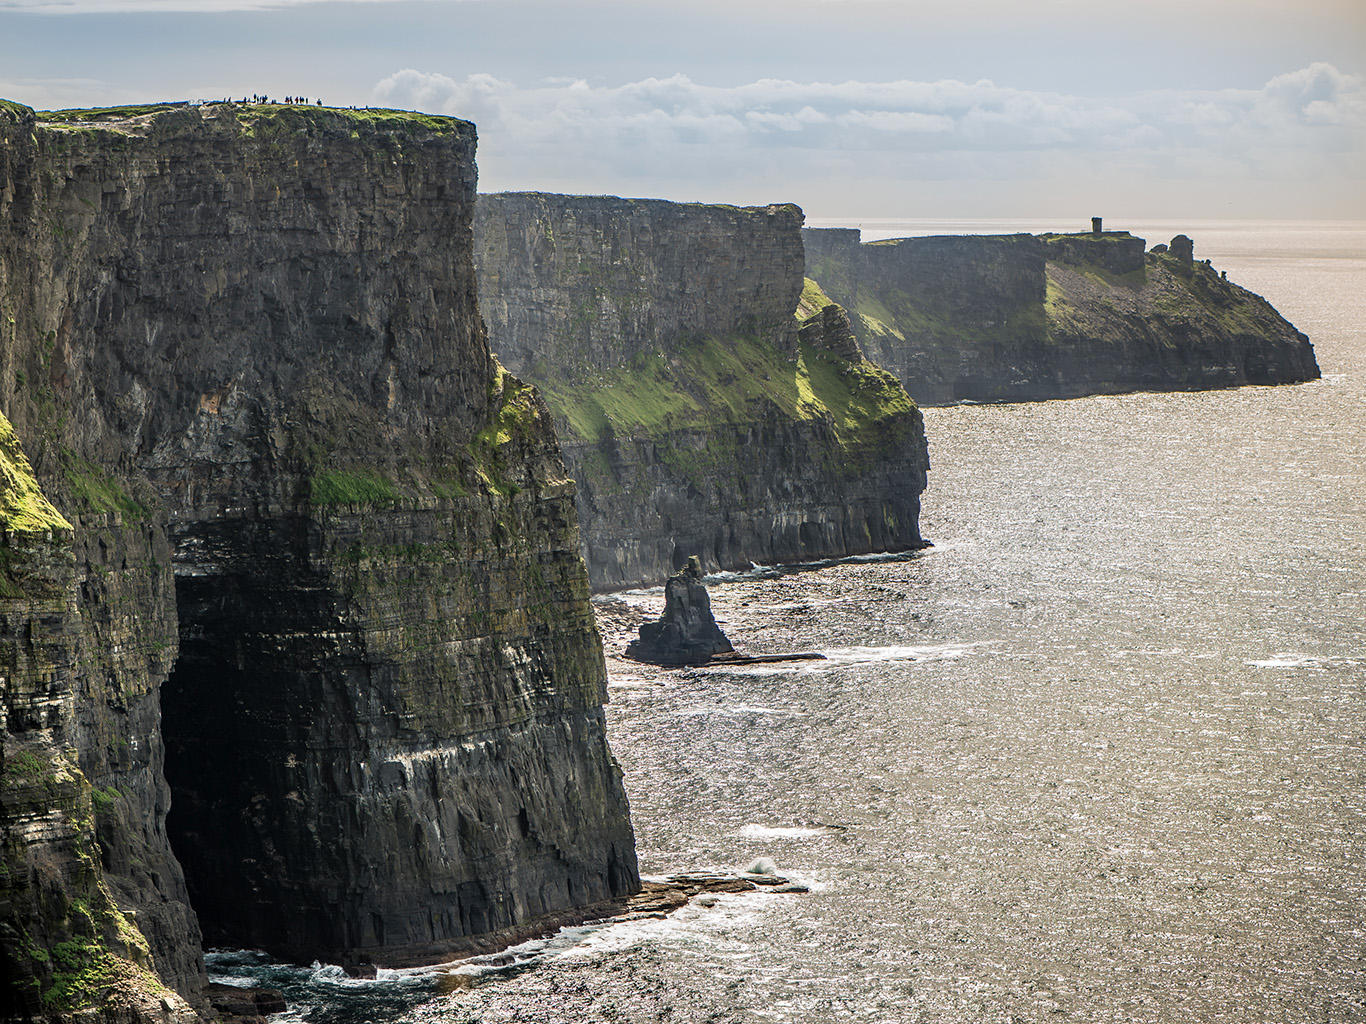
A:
[(321, 550), (695, 414), (686, 633), (1025, 317)]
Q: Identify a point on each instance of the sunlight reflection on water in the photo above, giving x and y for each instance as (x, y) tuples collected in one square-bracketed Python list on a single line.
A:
[(1099, 754)]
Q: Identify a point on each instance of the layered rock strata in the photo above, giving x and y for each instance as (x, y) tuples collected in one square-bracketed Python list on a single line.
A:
[(90, 896), (695, 413), (1025, 317), (242, 348)]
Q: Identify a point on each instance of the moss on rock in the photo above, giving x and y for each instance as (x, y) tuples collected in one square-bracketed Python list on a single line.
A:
[(24, 507)]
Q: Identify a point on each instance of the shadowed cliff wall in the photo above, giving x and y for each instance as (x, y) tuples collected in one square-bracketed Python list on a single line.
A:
[(694, 415), (243, 345), (1025, 317)]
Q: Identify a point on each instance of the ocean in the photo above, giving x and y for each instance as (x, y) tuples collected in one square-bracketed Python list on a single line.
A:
[(1098, 755)]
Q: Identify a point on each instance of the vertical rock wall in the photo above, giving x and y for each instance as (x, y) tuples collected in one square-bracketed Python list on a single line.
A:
[(694, 416), (247, 341), (90, 896), (93, 897)]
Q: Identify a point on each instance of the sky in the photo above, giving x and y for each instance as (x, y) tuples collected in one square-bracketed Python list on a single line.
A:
[(1137, 109)]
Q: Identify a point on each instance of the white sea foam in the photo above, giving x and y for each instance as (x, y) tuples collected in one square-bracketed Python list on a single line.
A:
[(731, 711), (1292, 660), (721, 927), (774, 668), (754, 831), (690, 925), (627, 681), (932, 652)]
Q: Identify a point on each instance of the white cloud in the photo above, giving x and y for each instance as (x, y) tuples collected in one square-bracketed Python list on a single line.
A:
[(897, 121), (658, 134), (160, 6)]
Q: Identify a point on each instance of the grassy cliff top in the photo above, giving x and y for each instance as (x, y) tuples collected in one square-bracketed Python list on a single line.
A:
[(1017, 237), (250, 114), (562, 199), (371, 117), (122, 113), (23, 506), (1110, 237), (15, 110)]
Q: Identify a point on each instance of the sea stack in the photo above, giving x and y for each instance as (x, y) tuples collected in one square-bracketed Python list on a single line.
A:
[(687, 633)]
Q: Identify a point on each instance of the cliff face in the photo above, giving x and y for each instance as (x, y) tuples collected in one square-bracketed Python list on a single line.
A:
[(90, 897), (1024, 317), (243, 345), (694, 415)]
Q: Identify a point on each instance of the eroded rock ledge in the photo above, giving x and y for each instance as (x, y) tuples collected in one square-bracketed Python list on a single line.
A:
[(302, 511)]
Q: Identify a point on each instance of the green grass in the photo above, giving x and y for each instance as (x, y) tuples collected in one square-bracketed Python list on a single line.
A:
[(102, 799), (1233, 309), (1054, 297), (448, 489), (84, 970), (256, 114), (23, 506), (878, 329), (893, 314), (1134, 280), (514, 407), (122, 113), (277, 116), (711, 381), (1062, 317), (24, 765), (512, 418), (699, 382), (94, 490), (352, 487), (80, 968), (860, 399), (1113, 237), (409, 119), (813, 300)]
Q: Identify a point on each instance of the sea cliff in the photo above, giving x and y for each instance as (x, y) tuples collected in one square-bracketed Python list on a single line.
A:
[(275, 517), (698, 415), (1026, 317)]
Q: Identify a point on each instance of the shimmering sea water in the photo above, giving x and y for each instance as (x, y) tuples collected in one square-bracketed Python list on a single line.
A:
[(1098, 755)]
